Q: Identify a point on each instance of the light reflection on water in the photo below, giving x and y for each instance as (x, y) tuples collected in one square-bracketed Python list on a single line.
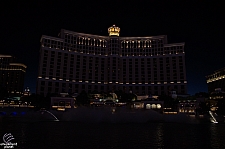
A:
[(217, 134), (146, 135), (159, 135)]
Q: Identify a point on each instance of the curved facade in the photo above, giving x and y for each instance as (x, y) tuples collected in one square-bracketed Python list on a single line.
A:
[(144, 65), (216, 80)]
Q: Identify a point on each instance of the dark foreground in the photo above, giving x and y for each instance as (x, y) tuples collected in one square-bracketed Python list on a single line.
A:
[(78, 135)]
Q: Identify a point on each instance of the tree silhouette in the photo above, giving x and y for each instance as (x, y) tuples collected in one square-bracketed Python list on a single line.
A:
[(82, 98)]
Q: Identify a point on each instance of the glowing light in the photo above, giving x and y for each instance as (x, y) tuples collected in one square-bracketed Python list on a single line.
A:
[(158, 106), (18, 64), (215, 79), (153, 106), (148, 106), (5, 56), (213, 118), (114, 31)]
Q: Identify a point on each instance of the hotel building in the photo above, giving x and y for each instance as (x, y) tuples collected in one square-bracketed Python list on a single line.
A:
[(11, 75), (216, 80), (75, 61)]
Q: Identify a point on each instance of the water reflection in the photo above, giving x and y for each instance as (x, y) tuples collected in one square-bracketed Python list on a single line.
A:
[(217, 132), (159, 136), (22, 136), (151, 135)]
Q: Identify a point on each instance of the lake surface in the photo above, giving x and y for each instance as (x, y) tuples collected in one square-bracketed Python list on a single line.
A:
[(78, 135)]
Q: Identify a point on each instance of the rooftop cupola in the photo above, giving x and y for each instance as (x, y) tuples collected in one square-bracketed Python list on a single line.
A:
[(114, 31)]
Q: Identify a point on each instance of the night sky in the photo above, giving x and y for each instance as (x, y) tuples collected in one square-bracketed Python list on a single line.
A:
[(197, 23)]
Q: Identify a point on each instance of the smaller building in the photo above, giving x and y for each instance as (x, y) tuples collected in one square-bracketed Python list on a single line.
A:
[(174, 95), (26, 92), (62, 103), (217, 96), (188, 106), (11, 76), (149, 103)]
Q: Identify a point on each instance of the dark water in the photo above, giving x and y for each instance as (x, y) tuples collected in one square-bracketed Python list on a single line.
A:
[(73, 135)]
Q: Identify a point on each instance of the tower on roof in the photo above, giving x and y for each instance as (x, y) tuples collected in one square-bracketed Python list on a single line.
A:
[(114, 31)]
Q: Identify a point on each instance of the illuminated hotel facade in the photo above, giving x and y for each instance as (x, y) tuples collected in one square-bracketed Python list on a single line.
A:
[(142, 65), (12, 75), (216, 80)]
